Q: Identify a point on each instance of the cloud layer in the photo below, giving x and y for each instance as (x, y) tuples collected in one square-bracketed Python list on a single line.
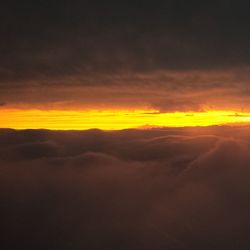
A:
[(132, 189), (63, 38), (172, 49)]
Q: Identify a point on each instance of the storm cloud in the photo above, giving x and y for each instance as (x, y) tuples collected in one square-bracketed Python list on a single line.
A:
[(132, 189)]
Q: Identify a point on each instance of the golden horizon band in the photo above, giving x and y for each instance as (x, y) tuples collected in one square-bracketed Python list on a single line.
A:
[(115, 119)]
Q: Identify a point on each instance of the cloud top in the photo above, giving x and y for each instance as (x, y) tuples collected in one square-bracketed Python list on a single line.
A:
[(154, 189)]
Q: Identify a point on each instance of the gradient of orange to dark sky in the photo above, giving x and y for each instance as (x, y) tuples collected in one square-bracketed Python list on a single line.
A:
[(119, 100), (71, 66)]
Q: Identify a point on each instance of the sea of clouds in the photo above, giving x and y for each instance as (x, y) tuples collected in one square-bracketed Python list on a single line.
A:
[(184, 188)]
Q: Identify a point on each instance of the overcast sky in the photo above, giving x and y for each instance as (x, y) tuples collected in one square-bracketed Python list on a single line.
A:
[(173, 55)]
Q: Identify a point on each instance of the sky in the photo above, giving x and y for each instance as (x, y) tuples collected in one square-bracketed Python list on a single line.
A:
[(168, 56)]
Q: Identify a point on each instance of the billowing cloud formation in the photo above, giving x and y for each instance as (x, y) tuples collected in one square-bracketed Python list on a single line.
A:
[(132, 189)]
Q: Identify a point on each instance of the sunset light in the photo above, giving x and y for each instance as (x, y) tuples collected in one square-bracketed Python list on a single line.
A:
[(115, 119)]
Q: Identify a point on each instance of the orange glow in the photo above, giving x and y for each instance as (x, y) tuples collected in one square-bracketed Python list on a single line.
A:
[(114, 119)]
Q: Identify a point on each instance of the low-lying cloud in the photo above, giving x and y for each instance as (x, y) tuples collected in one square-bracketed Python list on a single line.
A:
[(132, 189)]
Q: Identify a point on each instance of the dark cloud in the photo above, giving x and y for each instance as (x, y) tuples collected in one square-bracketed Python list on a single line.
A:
[(43, 40), (161, 90), (183, 188), (52, 53)]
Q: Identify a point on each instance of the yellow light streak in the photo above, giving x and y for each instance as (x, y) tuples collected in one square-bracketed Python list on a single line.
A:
[(114, 119)]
